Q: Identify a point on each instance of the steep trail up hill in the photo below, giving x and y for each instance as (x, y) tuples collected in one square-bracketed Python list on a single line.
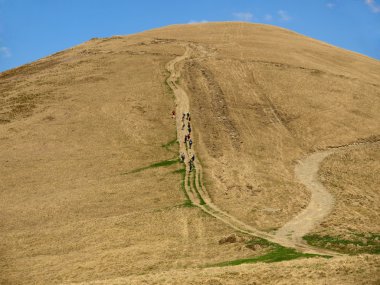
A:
[(197, 192), (85, 132), (261, 101)]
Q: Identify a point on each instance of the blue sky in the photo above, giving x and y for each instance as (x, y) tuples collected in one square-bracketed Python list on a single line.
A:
[(31, 29)]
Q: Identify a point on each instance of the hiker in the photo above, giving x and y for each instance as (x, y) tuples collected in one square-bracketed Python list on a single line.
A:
[(188, 124), (187, 115), (193, 157), (182, 157), (190, 143), (173, 114), (189, 129), (185, 139), (183, 116)]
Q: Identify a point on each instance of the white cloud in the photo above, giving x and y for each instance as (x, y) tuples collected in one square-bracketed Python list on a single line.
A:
[(243, 16), (197, 22), (283, 15), (5, 52), (373, 5), (330, 5), (268, 17)]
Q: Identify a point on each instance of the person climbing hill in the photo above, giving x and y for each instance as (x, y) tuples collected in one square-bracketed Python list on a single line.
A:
[(182, 157)]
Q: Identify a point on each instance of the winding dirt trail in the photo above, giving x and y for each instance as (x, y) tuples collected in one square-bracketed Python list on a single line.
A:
[(321, 202), (196, 190)]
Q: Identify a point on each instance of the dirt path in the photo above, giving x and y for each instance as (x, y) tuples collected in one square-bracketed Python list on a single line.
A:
[(321, 202), (194, 186)]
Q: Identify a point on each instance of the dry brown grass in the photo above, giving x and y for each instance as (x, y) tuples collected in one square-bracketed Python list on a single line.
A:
[(262, 99), (340, 271), (73, 123), (69, 212), (353, 178)]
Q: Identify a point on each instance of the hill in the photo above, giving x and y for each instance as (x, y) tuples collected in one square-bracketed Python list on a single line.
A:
[(92, 190)]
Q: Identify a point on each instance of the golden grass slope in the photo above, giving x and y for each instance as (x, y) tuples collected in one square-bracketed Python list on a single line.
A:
[(342, 271), (352, 176), (74, 123), (69, 210), (261, 103)]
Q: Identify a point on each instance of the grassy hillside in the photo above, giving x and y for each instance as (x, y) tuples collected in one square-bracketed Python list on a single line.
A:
[(89, 190), (263, 97)]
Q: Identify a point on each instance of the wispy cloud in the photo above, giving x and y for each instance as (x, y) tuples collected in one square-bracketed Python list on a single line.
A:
[(197, 22), (283, 15), (330, 5), (243, 16), (5, 52), (268, 18), (373, 5)]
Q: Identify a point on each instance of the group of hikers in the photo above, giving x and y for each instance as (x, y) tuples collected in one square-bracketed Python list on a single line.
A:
[(186, 119), (188, 138), (191, 160)]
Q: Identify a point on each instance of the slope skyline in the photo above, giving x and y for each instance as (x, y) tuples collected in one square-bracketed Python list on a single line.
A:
[(31, 30)]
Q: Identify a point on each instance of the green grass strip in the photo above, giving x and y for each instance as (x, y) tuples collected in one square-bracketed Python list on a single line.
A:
[(180, 171), (188, 203), (279, 253), (371, 244), (168, 145), (155, 165)]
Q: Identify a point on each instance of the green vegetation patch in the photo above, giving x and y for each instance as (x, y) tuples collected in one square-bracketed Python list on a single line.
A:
[(155, 165), (164, 163), (354, 243), (259, 241), (276, 253), (188, 203), (168, 146), (181, 171)]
